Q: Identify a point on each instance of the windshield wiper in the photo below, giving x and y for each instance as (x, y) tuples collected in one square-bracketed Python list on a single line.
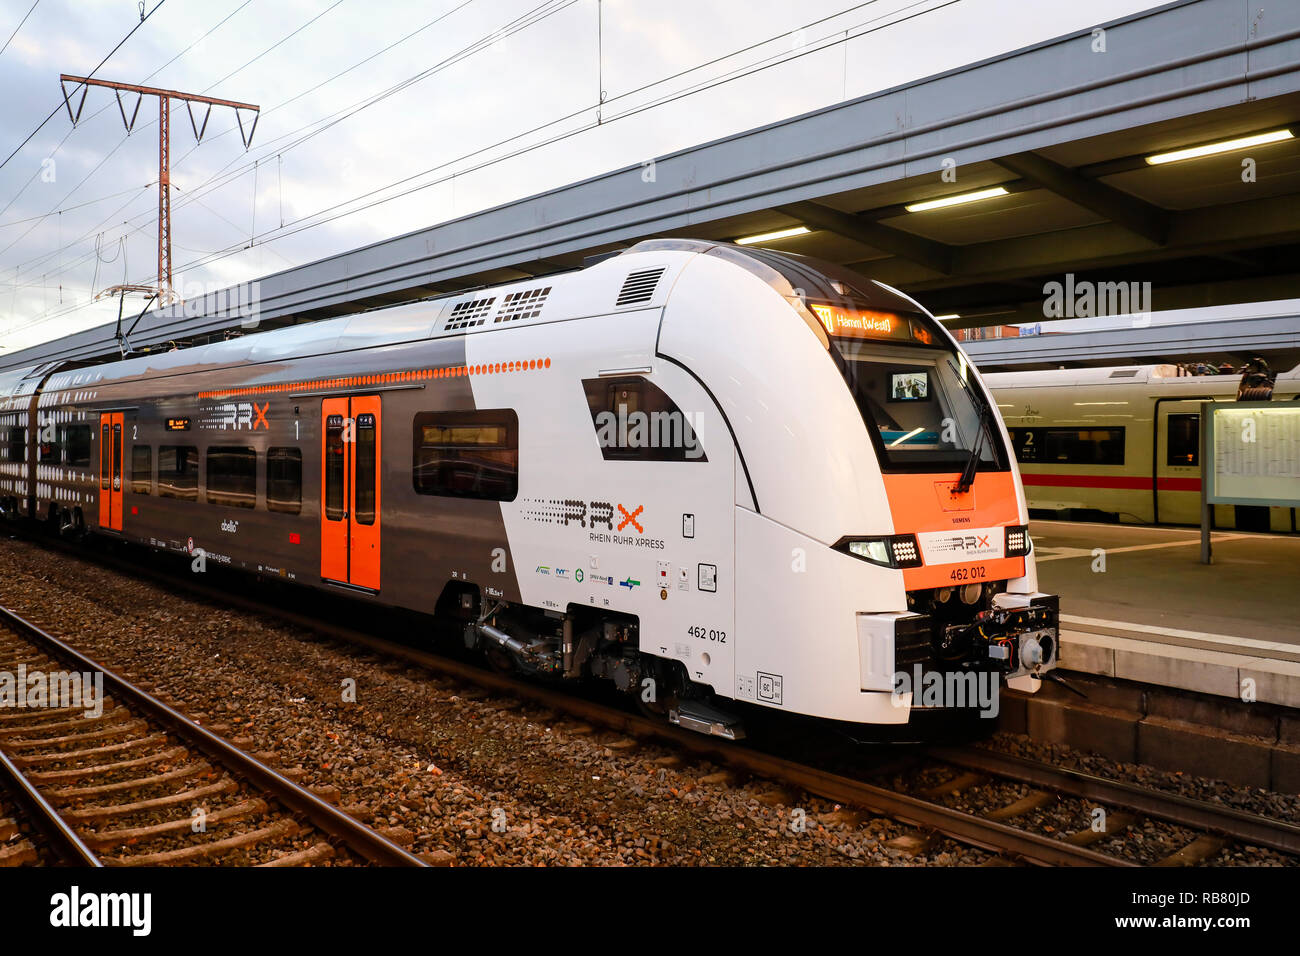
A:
[(967, 478), (968, 473)]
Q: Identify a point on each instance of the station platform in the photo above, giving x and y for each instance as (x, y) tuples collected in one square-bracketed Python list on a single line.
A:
[(1137, 604)]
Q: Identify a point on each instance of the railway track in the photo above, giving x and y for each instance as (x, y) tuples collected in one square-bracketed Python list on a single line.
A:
[(1006, 832), (1134, 802), (120, 778)]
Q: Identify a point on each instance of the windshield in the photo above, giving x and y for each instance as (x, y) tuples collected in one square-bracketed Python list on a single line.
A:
[(919, 406)]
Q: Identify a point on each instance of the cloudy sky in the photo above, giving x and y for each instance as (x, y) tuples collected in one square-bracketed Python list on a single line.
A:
[(383, 116)]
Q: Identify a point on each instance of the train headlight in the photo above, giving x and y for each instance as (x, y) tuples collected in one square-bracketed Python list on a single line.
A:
[(888, 551), (905, 551), (874, 550), (1017, 542)]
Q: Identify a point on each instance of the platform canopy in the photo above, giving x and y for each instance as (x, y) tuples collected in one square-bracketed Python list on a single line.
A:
[(1066, 135)]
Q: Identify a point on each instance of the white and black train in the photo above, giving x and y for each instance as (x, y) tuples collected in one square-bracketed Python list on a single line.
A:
[(710, 474)]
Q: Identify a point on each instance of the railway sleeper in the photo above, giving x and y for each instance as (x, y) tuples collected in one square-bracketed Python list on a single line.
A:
[(91, 814), (78, 773), (108, 838)]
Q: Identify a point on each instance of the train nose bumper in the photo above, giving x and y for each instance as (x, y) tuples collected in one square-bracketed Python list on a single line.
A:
[(1023, 632), (1017, 639)]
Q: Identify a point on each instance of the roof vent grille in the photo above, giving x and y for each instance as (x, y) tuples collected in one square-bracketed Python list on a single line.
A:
[(526, 304), (467, 315), (1125, 373), (639, 287)]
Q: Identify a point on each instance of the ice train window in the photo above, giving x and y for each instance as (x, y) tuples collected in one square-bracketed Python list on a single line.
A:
[(635, 420), (1070, 446), (1184, 440), (467, 454)]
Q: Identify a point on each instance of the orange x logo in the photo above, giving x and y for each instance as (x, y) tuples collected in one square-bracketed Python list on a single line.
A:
[(631, 519), (261, 416)]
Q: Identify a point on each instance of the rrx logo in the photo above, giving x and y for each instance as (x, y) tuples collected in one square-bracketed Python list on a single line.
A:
[(237, 415), (597, 513), (969, 542)]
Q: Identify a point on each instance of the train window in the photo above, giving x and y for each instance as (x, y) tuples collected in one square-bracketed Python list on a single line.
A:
[(334, 464), (232, 476), (469, 454), (1069, 446), (1184, 440), (178, 472), (284, 480), (17, 445), (76, 445), (1025, 443), (105, 456), (117, 457), (1084, 446), (635, 420), (141, 470), (365, 468)]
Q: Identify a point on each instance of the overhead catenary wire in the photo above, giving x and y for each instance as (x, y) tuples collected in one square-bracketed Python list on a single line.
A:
[(267, 237), (303, 225), (53, 112), (361, 104), (17, 28), (31, 263), (72, 129), (840, 36)]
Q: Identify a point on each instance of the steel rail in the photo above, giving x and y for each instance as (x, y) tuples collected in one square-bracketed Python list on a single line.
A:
[(327, 818), (965, 828), (1171, 807), (63, 840)]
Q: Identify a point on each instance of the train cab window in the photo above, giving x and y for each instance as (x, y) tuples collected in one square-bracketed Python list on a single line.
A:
[(75, 440), (635, 420), (467, 454), (232, 476), (1184, 440), (141, 469), (365, 468), (284, 480), (334, 467), (178, 472)]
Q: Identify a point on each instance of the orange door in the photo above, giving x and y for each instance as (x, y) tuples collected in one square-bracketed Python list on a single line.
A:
[(110, 471), (350, 469), (364, 520)]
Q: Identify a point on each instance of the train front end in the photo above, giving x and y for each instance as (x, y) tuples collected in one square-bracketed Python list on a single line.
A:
[(960, 538), (883, 559)]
